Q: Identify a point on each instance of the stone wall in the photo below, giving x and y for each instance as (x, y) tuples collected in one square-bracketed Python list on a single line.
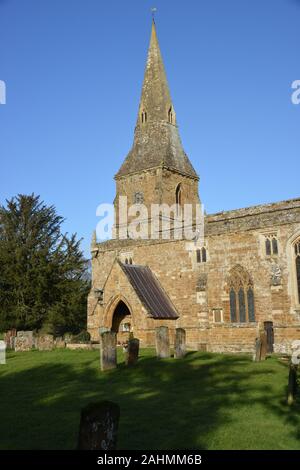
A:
[(200, 291)]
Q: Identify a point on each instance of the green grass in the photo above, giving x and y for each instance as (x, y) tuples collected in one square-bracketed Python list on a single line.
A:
[(205, 401)]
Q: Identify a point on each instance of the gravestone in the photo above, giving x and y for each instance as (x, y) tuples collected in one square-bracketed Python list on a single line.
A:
[(9, 338), (60, 343), (45, 342), (180, 343), (22, 343), (257, 351), (68, 337), (108, 350), (27, 334), (99, 426), (162, 342), (264, 345), (132, 352), (292, 383), (2, 352)]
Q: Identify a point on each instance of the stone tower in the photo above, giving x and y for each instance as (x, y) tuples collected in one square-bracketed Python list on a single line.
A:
[(157, 169)]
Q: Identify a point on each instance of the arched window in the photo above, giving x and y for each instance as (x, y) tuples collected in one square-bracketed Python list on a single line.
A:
[(178, 195), (241, 296), (271, 243), (275, 246), (268, 247), (130, 260), (170, 115), (144, 117), (250, 298), (232, 305), (297, 261), (201, 255), (126, 261), (242, 305)]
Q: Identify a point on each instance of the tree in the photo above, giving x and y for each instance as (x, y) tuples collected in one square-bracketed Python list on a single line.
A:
[(43, 281)]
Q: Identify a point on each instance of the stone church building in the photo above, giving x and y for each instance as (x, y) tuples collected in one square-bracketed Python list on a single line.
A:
[(241, 278)]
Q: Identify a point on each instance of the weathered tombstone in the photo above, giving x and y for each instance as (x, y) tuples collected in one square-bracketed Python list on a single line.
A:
[(108, 350), (22, 343), (264, 345), (68, 337), (180, 343), (45, 342), (99, 426), (60, 343), (257, 352), (162, 342), (132, 352), (27, 334), (9, 338), (2, 352)]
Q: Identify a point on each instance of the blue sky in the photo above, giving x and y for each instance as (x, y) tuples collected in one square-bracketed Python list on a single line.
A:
[(74, 69)]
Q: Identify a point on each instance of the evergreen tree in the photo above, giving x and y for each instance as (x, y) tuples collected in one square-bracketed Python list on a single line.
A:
[(43, 281)]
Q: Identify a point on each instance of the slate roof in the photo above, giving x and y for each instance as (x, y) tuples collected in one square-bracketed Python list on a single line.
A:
[(149, 291)]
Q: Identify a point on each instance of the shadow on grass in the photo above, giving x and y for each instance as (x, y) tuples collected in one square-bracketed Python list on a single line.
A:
[(165, 404)]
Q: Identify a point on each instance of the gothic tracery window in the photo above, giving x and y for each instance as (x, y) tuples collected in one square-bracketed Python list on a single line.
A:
[(271, 245), (241, 296)]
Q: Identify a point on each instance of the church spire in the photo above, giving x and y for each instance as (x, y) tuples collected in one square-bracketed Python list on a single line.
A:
[(155, 104), (156, 139)]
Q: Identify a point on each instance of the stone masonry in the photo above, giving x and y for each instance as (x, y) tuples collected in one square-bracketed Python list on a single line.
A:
[(250, 275)]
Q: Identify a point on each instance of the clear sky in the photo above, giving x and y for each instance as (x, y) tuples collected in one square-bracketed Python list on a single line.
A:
[(73, 71)]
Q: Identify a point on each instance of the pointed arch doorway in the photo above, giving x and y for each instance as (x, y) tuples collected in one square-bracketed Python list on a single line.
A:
[(121, 321)]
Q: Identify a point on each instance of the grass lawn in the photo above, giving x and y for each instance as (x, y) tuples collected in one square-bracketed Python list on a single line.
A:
[(205, 401)]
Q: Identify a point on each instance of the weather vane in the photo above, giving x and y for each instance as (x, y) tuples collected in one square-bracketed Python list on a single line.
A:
[(153, 11)]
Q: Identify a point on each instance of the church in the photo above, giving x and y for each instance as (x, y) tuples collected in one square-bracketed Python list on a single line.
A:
[(240, 278)]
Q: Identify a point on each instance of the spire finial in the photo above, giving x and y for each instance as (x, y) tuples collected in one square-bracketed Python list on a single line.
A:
[(153, 11)]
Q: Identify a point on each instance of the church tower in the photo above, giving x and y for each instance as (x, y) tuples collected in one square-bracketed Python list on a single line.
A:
[(157, 169)]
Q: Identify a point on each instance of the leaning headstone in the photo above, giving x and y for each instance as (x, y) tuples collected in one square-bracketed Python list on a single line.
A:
[(264, 346), (22, 343), (132, 352), (99, 426), (108, 350), (162, 342), (45, 342), (292, 383), (180, 343), (257, 351)]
